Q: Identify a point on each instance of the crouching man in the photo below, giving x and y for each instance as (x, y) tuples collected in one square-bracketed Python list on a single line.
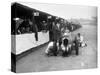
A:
[(51, 49), (80, 40)]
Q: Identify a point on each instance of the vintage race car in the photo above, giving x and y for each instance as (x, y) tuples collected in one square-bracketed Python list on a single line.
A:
[(64, 47)]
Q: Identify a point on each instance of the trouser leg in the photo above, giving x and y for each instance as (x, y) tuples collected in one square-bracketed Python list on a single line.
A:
[(36, 36), (77, 50)]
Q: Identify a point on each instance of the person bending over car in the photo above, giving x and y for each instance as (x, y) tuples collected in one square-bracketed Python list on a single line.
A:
[(51, 49)]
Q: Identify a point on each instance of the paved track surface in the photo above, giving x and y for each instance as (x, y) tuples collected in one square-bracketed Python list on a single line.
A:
[(87, 58)]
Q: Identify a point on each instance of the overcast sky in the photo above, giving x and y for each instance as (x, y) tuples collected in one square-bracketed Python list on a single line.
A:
[(64, 10)]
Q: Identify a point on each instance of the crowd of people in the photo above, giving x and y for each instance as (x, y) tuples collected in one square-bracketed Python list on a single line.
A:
[(60, 39), (54, 26)]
